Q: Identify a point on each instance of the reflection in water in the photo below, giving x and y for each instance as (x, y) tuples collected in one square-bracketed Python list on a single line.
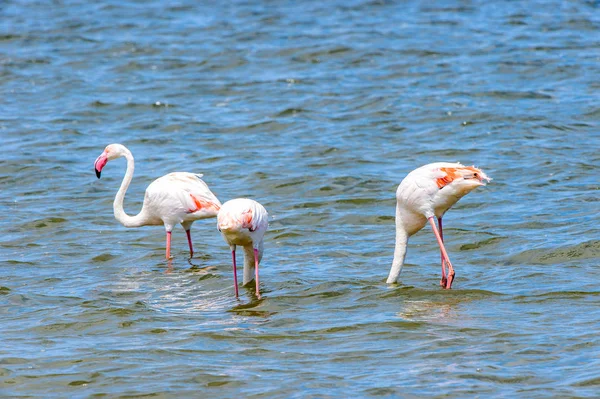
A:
[(432, 311), (251, 308), (199, 289), (186, 294)]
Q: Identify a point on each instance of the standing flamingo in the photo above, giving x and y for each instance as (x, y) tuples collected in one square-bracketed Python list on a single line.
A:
[(243, 221), (178, 197), (427, 193)]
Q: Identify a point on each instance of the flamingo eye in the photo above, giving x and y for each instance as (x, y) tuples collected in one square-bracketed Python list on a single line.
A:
[(476, 175)]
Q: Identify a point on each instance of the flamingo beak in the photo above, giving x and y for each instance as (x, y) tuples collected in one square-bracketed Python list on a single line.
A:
[(475, 176), (99, 164)]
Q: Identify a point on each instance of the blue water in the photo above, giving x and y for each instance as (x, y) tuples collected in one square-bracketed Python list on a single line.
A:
[(317, 110)]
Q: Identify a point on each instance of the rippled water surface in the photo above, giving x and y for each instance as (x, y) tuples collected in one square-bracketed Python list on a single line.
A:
[(317, 110)]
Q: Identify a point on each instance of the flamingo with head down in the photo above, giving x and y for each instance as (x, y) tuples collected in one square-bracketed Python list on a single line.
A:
[(176, 198), (424, 195), (243, 221)]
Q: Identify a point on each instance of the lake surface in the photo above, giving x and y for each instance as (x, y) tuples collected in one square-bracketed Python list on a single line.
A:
[(318, 110)]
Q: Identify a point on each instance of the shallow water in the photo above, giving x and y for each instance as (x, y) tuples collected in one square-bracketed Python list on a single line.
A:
[(318, 111)]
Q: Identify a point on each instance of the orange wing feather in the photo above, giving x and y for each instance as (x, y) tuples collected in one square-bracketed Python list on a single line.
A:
[(247, 219), (451, 174), (454, 173), (201, 204)]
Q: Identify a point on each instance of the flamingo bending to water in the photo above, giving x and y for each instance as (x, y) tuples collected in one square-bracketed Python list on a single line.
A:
[(425, 194), (243, 221), (176, 198)]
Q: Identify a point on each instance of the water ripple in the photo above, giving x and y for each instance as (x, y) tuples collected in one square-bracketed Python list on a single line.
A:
[(318, 111)]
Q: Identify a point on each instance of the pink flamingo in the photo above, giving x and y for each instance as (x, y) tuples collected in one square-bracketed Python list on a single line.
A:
[(244, 222), (425, 194), (176, 198)]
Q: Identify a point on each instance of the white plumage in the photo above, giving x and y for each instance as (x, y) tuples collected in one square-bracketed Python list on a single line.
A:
[(243, 221), (176, 198), (427, 193)]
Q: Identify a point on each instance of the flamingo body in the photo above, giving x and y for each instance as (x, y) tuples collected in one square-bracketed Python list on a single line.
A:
[(427, 193), (176, 198), (243, 222), (179, 198)]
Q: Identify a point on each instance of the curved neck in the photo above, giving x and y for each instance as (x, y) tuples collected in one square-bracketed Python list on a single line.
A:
[(400, 250), (120, 215), (249, 261)]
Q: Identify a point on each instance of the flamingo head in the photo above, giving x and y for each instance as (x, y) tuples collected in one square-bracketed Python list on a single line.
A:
[(112, 151), (462, 179), (472, 177)]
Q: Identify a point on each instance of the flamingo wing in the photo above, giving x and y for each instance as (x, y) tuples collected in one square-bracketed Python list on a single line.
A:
[(243, 213), (260, 217), (254, 216), (194, 194), (186, 193)]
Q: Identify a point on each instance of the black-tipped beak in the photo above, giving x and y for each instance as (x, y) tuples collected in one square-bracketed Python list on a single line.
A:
[(100, 163)]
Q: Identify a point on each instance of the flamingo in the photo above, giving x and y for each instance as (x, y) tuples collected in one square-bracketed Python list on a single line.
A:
[(176, 198), (425, 194), (243, 221)]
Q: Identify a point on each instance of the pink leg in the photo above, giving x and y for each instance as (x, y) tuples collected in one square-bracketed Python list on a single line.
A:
[(189, 235), (235, 283), (445, 257), (256, 272), (443, 280), (168, 245)]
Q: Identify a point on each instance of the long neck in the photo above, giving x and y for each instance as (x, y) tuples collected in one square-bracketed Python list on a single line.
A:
[(400, 251), (120, 215), (249, 261)]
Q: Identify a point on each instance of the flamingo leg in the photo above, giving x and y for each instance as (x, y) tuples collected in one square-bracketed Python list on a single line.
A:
[(189, 236), (443, 280), (256, 272), (235, 282), (445, 257), (168, 245)]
